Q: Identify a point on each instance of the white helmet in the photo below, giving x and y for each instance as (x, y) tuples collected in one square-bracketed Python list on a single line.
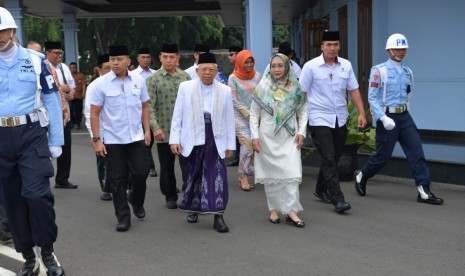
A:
[(6, 20), (397, 41)]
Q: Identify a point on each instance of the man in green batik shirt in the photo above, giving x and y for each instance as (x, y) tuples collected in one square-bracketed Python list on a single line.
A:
[(163, 88)]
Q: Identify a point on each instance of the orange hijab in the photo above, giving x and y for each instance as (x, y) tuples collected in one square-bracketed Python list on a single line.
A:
[(239, 67)]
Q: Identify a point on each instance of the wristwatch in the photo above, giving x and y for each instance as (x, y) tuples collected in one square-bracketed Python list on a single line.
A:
[(95, 138)]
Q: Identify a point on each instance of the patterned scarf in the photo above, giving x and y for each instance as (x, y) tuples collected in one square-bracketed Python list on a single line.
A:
[(281, 98)]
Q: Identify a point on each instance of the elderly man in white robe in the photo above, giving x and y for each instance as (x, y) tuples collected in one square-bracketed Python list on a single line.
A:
[(202, 130)]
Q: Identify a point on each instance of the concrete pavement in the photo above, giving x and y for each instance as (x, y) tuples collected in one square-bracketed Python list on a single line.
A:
[(385, 233)]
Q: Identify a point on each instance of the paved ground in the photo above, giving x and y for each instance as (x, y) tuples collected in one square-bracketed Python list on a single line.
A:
[(385, 233)]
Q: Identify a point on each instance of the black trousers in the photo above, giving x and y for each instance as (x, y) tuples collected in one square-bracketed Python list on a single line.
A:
[(122, 160), (25, 170), (329, 142), (76, 112), (149, 154), (167, 176), (64, 161)]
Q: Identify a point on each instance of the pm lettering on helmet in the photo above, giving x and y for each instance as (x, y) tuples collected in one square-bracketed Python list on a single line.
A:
[(401, 42)]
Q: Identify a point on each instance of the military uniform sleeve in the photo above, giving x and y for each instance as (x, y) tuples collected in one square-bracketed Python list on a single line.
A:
[(52, 102), (375, 92)]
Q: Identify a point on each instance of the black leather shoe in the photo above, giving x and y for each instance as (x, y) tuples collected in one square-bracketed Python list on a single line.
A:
[(432, 199), (153, 173), (192, 217), (341, 206), (219, 224), (123, 226), (275, 220), (324, 197), (171, 204), (52, 266), (298, 224), (5, 236), (360, 183), (139, 212), (31, 266), (106, 196), (65, 185)]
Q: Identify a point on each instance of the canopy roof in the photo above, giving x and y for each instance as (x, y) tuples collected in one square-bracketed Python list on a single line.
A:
[(229, 11)]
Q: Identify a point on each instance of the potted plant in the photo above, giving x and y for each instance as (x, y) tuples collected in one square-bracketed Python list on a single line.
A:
[(362, 139)]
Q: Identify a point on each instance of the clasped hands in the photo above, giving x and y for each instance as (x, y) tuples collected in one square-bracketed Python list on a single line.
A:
[(257, 144)]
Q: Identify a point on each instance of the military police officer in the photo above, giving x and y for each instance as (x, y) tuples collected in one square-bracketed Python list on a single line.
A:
[(391, 85), (25, 150)]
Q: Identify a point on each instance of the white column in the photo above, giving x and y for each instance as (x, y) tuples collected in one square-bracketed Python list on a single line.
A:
[(15, 7), (259, 31), (70, 29), (380, 30), (352, 33)]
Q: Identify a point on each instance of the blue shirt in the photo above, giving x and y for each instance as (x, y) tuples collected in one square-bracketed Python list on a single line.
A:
[(398, 86), (18, 86), (221, 78), (326, 88)]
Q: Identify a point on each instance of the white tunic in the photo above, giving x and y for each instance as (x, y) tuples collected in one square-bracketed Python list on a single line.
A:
[(187, 132), (278, 165)]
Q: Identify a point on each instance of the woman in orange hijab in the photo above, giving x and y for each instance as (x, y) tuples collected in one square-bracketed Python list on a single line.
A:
[(243, 81)]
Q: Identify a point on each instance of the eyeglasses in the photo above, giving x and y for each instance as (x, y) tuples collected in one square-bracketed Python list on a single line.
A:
[(57, 52), (232, 54)]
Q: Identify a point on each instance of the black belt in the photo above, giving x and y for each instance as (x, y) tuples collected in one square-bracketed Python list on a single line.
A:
[(207, 118), (396, 109)]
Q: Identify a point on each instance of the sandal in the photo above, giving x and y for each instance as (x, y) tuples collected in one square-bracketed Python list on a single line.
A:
[(244, 187)]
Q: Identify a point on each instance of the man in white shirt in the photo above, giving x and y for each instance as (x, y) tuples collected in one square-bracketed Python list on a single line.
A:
[(120, 106), (202, 130), (102, 68), (144, 58), (65, 81), (326, 80), (198, 49)]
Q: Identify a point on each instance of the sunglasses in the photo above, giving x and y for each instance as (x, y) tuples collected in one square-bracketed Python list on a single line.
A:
[(232, 54)]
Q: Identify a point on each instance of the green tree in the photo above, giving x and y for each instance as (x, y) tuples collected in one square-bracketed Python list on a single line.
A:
[(42, 30), (281, 33)]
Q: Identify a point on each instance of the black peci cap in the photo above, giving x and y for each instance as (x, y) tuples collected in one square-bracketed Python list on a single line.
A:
[(330, 36), (49, 45), (103, 58), (119, 50), (202, 48), (207, 58), (169, 48)]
